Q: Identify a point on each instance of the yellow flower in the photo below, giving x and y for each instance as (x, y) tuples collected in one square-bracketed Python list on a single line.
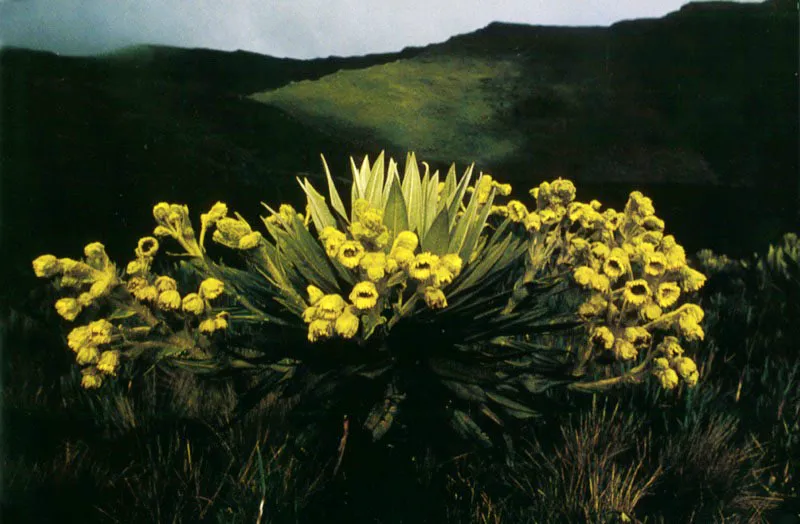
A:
[(624, 350), (218, 211), (346, 325), (391, 264), (595, 306), (350, 254), (221, 321), (685, 367), (501, 211), (230, 231), (359, 207), (328, 232), (364, 295), (374, 264), (638, 336), (650, 312), (655, 263), (653, 223), (503, 189), (372, 219), (165, 283), (85, 300), (600, 250), (578, 246), (102, 286), (583, 275), (147, 247), (87, 355), (319, 329), (639, 206), (135, 267), (599, 283), (532, 222), (435, 298), (109, 361), (595, 204), (689, 328), (330, 307), (314, 294), (517, 211), (616, 263), (670, 347), (68, 308), (603, 337), (676, 257), (207, 326), (193, 303), (660, 363), (100, 331), (135, 283), (452, 262), (613, 219), (211, 288), (551, 216), (422, 266), (169, 300), (483, 188), (691, 280), (309, 314), (161, 211), (694, 312), (250, 241), (652, 237), (667, 378), (563, 190), (406, 240), (161, 231), (636, 292), (78, 337), (91, 380), (667, 294), (46, 266), (146, 294), (402, 256)]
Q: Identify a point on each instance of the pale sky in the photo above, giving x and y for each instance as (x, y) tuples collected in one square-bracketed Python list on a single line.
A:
[(289, 28)]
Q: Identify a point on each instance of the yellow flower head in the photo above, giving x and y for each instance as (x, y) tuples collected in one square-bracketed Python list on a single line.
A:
[(165, 283), (613, 219), (250, 241), (667, 378), (315, 294), (146, 294), (532, 222), (169, 300), (517, 211), (85, 300), (230, 231), (309, 314), (100, 331), (563, 190), (650, 312), (578, 246), (660, 363), (68, 308), (689, 328), (600, 283), (406, 240), (46, 266), (135, 266), (583, 275), (684, 366), (221, 321), (652, 237), (667, 294), (595, 306), (108, 363), (551, 216), (78, 337), (95, 253), (218, 211), (147, 247), (624, 350), (503, 189), (655, 263), (483, 188), (330, 307), (374, 264), (636, 292), (364, 295), (350, 253), (346, 325), (211, 288), (87, 355), (402, 256), (359, 207), (452, 262), (319, 329), (332, 239), (288, 213), (639, 206), (500, 211), (595, 204), (694, 312), (670, 347), (421, 268), (691, 280), (207, 326), (653, 223), (193, 304), (638, 336), (603, 337), (161, 211), (600, 250), (161, 231), (372, 219), (434, 298), (91, 379)]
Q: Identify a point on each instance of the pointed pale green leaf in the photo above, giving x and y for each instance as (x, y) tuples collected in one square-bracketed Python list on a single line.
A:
[(449, 188), (437, 238), (336, 201), (475, 229), (320, 212), (395, 216), (463, 223), (430, 200), (375, 182), (454, 203), (412, 192), (392, 176)]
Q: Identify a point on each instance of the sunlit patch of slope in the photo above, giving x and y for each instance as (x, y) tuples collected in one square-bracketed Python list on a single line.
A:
[(446, 106)]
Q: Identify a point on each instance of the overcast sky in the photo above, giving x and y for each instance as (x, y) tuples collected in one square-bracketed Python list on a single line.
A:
[(292, 28)]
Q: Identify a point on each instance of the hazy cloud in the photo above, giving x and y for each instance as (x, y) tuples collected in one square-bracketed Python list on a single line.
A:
[(294, 28)]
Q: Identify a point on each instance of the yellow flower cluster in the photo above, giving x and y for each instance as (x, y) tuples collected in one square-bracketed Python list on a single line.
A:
[(90, 343), (367, 226), (635, 275), (673, 366), (483, 188), (92, 278), (330, 314)]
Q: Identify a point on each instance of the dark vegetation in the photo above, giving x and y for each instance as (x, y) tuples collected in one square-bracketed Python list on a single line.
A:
[(698, 110)]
